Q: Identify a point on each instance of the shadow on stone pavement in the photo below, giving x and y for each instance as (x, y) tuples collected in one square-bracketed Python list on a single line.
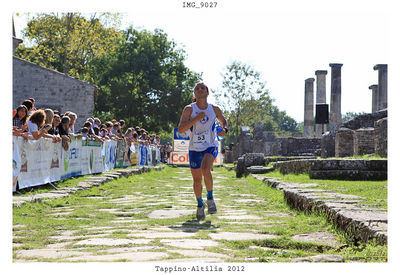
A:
[(194, 226)]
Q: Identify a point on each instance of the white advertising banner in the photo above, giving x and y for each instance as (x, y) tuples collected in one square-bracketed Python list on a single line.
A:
[(181, 145), (37, 162), (40, 162)]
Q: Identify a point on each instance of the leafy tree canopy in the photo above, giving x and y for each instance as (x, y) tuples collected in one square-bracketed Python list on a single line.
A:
[(144, 80), (67, 42)]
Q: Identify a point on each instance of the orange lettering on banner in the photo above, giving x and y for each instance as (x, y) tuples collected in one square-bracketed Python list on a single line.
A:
[(173, 157), (182, 158)]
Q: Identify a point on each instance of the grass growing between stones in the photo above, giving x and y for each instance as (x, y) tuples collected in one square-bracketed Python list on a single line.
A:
[(374, 193), (122, 210)]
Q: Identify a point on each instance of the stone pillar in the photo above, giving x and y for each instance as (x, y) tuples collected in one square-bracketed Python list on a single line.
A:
[(382, 85), (321, 99), (375, 98), (335, 112), (309, 108)]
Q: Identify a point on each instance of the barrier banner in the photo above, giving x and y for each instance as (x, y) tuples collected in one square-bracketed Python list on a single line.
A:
[(39, 162), (71, 159), (120, 154), (91, 160), (135, 155), (16, 163), (143, 155), (109, 154)]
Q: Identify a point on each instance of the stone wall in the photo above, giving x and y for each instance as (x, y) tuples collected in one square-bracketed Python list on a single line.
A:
[(293, 166), (364, 141), (52, 89), (380, 142), (297, 146), (364, 121), (341, 169), (344, 143)]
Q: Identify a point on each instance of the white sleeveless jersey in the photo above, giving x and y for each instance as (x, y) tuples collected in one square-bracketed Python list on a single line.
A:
[(203, 134)]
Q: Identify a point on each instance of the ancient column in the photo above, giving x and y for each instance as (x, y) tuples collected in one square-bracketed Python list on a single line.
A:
[(375, 97), (335, 112), (309, 108), (382, 85), (321, 99)]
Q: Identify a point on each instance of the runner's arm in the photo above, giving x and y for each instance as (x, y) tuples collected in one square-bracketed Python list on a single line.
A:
[(185, 123), (220, 117)]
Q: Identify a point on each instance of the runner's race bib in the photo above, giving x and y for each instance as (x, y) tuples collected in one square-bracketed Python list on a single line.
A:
[(201, 140)]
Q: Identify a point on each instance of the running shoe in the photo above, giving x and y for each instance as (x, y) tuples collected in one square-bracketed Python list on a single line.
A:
[(212, 208), (201, 215)]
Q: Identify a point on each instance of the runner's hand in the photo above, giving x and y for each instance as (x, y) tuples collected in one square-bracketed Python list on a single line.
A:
[(200, 116)]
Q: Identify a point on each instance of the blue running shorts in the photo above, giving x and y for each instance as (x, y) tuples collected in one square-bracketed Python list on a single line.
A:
[(195, 158)]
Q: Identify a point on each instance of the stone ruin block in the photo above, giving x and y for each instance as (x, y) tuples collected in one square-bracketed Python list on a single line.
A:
[(364, 141), (244, 140), (254, 159), (269, 136), (344, 142), (258, 146), (258, 130), (380, 142), (328, 145)]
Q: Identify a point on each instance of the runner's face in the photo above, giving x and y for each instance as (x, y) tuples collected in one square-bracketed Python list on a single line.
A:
[(200, 91)]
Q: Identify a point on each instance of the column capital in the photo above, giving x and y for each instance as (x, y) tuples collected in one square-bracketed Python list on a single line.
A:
[(380, 67), (374, 86), (335, 65), (319, 72), (310, 79)]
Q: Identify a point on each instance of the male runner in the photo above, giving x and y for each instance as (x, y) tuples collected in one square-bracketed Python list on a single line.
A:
[(199, 117)]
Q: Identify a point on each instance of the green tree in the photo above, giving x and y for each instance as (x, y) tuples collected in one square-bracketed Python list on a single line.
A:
[(242, 94), (67, 42), (246, 101), (144, 81)]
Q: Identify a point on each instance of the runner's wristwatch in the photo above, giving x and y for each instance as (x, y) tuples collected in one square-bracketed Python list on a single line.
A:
[(226, 130)]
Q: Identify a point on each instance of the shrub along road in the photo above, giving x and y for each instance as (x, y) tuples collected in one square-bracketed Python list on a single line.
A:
[(151, 217)]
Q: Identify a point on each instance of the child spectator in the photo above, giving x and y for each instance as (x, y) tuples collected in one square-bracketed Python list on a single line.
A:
[(35, 125), (19, 120)]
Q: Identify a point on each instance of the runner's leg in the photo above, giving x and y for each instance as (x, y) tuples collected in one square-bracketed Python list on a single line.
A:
[(197, 186), (206, 166)]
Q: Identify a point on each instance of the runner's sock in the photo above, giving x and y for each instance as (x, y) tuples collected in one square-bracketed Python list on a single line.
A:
[(200, 202), (210, 195)]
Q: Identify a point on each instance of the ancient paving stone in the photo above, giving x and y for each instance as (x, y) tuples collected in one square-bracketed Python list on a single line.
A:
[(240, 217), (319, 258), (130, 249), (169, 214), (48, 253), (111, 242), (325, 238), (58, 245), (130, 256), (190, 243), (153, 235), (197, 260), (248, 201), (234, 236), (198, 253)]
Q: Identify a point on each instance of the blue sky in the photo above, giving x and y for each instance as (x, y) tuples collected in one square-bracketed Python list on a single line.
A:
[(285, 43)]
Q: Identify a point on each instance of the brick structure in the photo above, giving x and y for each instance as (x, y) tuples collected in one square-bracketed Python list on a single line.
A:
[(344, 142), (364, 142), (52, 89)]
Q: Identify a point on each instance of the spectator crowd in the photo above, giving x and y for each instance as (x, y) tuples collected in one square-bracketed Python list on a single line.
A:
[(32, 123)]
